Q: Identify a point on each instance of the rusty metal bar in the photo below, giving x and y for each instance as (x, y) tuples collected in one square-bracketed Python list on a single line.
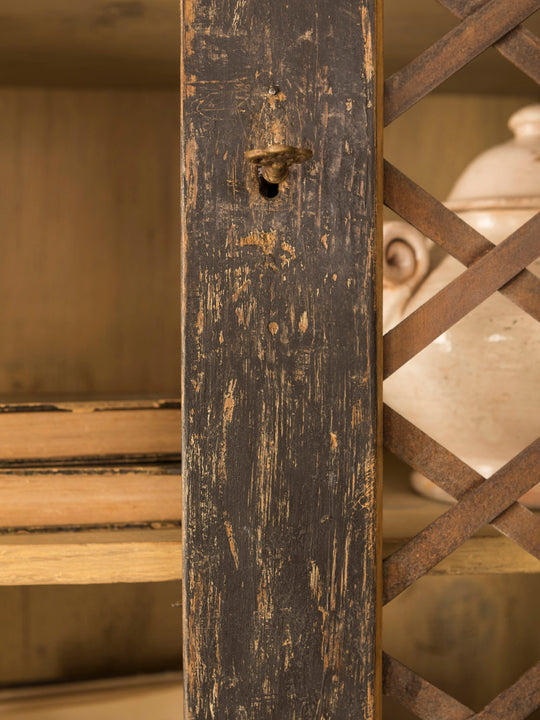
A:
[(418, 695), (462, 295), (519, 701), (453, 234), (521, 47), (452, 52), (454, 476), (477, 508)]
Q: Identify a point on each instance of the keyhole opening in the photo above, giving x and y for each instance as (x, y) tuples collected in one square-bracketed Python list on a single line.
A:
[(267, 189)]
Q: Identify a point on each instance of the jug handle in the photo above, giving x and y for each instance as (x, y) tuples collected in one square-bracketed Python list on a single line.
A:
[(405, 265)]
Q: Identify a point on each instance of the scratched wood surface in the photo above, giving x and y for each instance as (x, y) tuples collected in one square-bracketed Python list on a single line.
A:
[(280, 385)]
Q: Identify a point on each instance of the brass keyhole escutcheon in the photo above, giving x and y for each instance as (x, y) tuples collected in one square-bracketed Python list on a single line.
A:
[(275, 161)]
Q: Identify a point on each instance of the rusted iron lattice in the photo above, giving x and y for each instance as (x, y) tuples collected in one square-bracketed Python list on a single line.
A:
[(490, 269)]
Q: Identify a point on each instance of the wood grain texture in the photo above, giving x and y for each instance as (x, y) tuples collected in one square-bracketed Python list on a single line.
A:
[(75, 433), (136, 698), (89, 496), (88, 557), (89, 216), (280, 362), (62, 633)]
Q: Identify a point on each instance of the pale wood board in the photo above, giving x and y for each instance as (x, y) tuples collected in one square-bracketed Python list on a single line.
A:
[(88, 433), (136, 494), (89, 496), (89, 220), (121, 699), (92, 556)]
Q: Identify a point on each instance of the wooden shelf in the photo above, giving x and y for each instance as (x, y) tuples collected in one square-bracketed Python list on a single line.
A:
[(132, 698), (152, 553), (136, 44), (84, 432), (90, 557), (128, 516)]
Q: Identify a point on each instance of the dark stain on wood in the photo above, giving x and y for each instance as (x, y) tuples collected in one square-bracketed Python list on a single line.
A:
[(280, 387)]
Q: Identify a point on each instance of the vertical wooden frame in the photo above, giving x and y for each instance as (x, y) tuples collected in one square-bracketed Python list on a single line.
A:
[(281, 371)]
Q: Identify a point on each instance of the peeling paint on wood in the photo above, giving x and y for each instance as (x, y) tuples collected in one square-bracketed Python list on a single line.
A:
[(281, 386)]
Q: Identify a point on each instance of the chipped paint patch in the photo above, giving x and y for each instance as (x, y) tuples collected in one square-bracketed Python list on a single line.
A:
[(303, 322), (289, 253), (232, 542), (200, 321), (368, 43), (228, 403), (264, 240), (273, 327)]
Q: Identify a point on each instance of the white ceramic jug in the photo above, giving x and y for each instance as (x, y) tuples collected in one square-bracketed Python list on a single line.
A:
[(476, 388)]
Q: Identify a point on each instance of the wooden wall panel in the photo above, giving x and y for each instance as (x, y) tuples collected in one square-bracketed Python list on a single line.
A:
[(69, 633), (89, 227), (280, 362)]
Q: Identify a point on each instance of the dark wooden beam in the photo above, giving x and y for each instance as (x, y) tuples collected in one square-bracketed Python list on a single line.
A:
[(281, 361)]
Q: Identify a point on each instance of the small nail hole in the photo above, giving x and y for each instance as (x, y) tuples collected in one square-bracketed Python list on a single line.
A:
[(267, 189)]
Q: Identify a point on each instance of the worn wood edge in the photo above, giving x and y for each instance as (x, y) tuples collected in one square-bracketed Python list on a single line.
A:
[(379, 221), (69, 689), (122, 698), (483, 555), (87, 434), (89, 496), (91, 557), (91, 405)]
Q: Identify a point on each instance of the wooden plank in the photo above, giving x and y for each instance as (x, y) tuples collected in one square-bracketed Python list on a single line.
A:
[(84, 432), (152, 555), (281, 396), (131, 698), (89, 557), (89, 496)]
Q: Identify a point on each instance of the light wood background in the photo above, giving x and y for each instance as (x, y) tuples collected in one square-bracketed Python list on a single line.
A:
[(89, 226)]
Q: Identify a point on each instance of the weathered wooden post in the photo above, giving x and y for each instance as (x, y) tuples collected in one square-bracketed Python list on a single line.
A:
[(281, 388)]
